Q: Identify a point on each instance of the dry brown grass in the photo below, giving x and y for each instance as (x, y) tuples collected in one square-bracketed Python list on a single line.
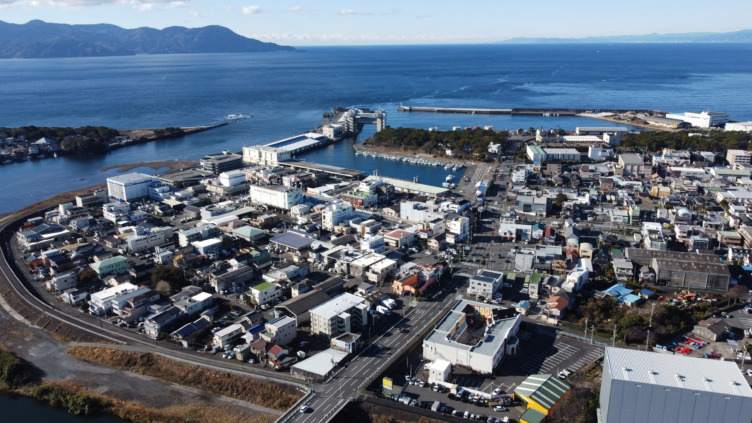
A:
[(137, 413), (244, 388)]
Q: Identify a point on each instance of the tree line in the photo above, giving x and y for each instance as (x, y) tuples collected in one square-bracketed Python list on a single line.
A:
[(708, 140), (465, 144)]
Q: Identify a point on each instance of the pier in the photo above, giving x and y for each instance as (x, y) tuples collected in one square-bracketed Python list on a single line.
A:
[(350, 174), (522, 111)]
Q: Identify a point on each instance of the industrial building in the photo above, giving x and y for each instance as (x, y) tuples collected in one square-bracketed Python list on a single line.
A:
[(273, 153), (739, 126), (540, 393), (640, 386), (632, 164), (684, 270), (475, 335), (129, 187), (704, 119)]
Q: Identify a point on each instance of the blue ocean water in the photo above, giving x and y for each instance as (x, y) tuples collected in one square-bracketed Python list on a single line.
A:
[(288, 91)]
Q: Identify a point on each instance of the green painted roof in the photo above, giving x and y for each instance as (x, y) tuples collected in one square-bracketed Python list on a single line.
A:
[(536, 278), (531, 415), (544, 389), (263, 286)]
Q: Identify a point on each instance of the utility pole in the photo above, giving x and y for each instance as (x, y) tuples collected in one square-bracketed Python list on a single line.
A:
[(613, 338), (592, 331), (586, 320), (647, 344)]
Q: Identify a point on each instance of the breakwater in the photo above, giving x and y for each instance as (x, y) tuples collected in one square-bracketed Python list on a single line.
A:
[(522, 111)]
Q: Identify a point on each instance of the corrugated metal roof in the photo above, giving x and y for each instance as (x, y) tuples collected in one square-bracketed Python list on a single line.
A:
[(697, 374), (544, 389)]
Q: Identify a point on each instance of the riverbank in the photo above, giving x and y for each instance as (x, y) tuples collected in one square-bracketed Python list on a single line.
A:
[(144, 135)]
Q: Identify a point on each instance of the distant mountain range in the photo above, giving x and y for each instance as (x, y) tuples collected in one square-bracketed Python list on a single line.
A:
[(38, 39), (744, 36)]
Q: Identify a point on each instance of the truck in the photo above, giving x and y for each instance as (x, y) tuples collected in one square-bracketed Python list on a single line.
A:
[(382, 310), (436, 406), (389, 303)]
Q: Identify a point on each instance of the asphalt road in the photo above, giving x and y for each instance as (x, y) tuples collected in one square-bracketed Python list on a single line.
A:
[(374, 360)]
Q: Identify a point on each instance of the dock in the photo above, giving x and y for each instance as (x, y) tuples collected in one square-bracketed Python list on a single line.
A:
[(341, 172), (520, 111)]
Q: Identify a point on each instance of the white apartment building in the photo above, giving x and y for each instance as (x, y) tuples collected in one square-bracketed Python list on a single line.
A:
[(485, 283), (738, 158), (342, 314), (335, 213), (459, 229), (99, 302), (226, 336), (146, 239), (277, 196), (129, 187), (116, 212), (519, 176), (281, 330), (186, 237)]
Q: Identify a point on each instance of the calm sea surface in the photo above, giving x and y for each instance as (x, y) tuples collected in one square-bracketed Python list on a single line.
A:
[(288, 92)]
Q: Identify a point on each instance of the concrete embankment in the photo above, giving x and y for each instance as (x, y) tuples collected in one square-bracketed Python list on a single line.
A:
[(557, 111)]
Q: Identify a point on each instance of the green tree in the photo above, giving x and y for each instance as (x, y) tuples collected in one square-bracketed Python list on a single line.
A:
[(88, 276), (172, 275), (559, 199)]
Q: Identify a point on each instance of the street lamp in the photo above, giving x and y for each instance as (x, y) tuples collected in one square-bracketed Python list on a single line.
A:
[(592, 330)]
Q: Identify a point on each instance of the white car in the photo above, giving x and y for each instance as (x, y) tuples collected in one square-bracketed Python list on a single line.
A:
[(304, 409), (749, 372), (497, 391)]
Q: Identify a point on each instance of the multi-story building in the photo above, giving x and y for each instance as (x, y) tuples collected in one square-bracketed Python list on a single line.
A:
[(457, 230), (362, 199), (640, 386), (111, 266), (265, 292), (199, 233), (335, 213), (228, 335), (129, 187), (277, 196), (485, 283), (529, 204), (146, 239), (280, 331), (342, 314), (218, 163), (738, 158), (91, 199), (116, 212), (100, 302), (195, 304)]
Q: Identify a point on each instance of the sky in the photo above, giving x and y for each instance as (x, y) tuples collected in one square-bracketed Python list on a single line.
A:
[(328, 22)]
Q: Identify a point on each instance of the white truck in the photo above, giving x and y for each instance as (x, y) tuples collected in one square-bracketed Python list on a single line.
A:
[(389, 303), (382, 310)]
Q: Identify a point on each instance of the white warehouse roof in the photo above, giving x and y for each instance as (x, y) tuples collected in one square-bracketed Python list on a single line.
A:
[(691, 373)]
